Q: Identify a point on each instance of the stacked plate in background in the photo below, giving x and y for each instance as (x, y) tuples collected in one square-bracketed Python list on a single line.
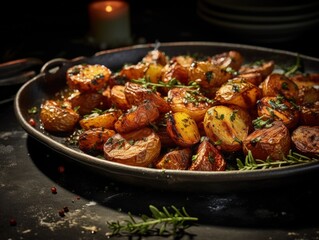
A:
[(261, 20)]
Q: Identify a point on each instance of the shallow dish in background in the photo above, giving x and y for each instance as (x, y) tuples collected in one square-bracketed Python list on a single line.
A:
[(52, 78)]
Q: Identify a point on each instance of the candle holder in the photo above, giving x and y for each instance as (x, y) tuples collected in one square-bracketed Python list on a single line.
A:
[(110, 23)]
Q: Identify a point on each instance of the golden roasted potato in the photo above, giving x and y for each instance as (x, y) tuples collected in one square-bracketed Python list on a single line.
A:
[(305, 80), (137, 117), (118, 97), (190, 101), (155, 56), (230, 59), (308, 95), (207, 158), (58, 116), (184, 60), (228, 126), (137, 94), (306, 139), (154, 72), (264, 68), (92, 141), (182, 129), (138, 148), (98, 118), (175, 70), (131, 72), (254, 78), (309, 114), (85, 102), (278, 108), (179, 159), (238, 92), (278, 84), (271, 143), (87, 77)]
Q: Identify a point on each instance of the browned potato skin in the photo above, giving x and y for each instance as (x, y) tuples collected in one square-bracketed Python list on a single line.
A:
[(179, 159), (238, 92), (231, 59), (228, 125), (105, 120), (309, 114), (182, 129), (136, 94), (139, 148), (306, 80), (208, 158), (254, 78), (118, 97), (136, 71), (185, 100), (306, 139), (137, 117), (57, 118), (86, 77), (175, 70), (264, 69), (87, 101), (273, 142), (289, 116), (308, 95), (91, 141), (277, 84)]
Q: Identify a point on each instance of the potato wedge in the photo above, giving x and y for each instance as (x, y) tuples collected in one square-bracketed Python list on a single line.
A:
[(271, 143), (138, 148), (207, 158), (228, 126), (306, 139), (182, 129), (179, 159)]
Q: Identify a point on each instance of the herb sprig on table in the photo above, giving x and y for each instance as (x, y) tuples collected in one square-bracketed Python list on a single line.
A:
[(162, 223)]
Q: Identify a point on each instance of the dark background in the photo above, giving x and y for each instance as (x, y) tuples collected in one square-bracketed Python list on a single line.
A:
[(50, 29)]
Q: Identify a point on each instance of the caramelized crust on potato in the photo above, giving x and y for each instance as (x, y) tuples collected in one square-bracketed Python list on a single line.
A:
[(272, 142), (138, 148), (306, 139), (179, 159), (228, 126), (208, 158), (104, 119), (264, 68), (87, 77), (58, 117), (92, 141), (118, 97), (231, 59)]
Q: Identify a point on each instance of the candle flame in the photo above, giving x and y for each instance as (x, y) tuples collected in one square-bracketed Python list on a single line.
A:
[(108, 8)]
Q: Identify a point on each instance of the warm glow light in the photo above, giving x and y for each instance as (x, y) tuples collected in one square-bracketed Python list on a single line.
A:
[(108, 8)]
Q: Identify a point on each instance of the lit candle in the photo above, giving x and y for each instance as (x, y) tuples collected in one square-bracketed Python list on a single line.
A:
[(110, 23)]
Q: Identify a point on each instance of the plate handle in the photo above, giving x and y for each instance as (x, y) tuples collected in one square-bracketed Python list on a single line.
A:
[(53, 65)]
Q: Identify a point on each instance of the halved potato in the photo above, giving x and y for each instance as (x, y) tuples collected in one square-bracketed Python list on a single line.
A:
[(270, 142), (105, 119), (306, 139), (227, 125), (138, 148), (178, 159)]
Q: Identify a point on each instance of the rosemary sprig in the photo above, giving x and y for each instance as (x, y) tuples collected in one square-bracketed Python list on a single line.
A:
[(170, 84), (294, 68), (161, 223), (292, 158)]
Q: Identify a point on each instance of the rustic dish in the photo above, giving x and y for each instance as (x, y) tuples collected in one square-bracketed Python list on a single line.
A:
[(52, 78)]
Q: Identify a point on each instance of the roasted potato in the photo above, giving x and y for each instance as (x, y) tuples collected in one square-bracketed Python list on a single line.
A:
[(138, 148), (207, 158), (190, 101), (134, 71), (182, 129), (228, 126), (105, 119), (87, 77), (155, 56), (178, 159), (278, 84), (306, 139), (137, 117), (238, 92), (175, 70), (92, 141), (309, 114), (272, 143), (264, 68), (278, 108), (230, 59), (118, 98), (154, 72), (57, 116)]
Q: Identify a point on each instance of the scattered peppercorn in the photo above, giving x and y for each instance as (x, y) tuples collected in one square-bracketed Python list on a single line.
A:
[(66, 209), (61, 213), (32, 122), (53, 190)]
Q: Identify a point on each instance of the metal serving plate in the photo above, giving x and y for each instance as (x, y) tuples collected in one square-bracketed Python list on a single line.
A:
[(52, 78)]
